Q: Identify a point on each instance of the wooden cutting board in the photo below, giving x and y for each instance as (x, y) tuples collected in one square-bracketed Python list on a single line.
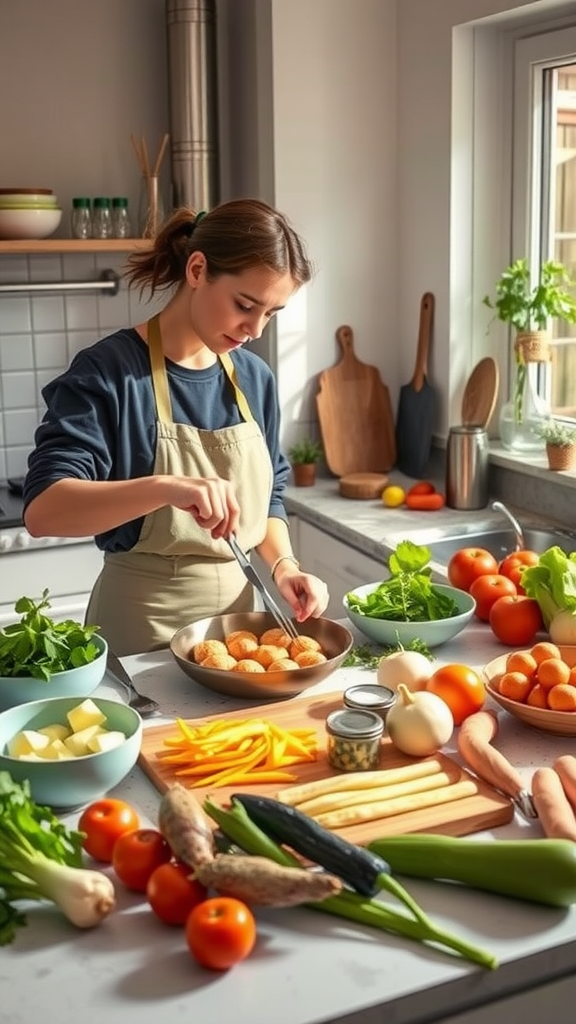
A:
[(355, 414), (485, 808)]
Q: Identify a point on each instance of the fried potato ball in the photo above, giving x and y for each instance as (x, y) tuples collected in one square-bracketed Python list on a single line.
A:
[(277, 637), (240, 632), (248, 665), (206, 648), (267, 653), (305, 658), (221, 661), (241, 646), (282, 665), (303, 643)]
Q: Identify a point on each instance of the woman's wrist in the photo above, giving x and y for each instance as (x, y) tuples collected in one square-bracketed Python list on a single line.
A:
[(279, 561)]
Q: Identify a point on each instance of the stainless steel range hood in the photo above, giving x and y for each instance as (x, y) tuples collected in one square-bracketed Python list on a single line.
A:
[(193, 102)]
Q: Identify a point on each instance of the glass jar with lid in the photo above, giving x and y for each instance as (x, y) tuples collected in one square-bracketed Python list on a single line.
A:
[(120, 217), (81, 218), (102, 218), (354, 740)]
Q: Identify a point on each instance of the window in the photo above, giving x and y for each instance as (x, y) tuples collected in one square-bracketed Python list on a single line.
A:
[(544, 182)]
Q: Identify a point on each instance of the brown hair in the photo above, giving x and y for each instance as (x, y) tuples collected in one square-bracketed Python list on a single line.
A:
[(234, 236)]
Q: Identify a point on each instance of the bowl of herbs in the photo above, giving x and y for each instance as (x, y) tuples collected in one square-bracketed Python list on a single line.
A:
[(407, 605), (41, 658)]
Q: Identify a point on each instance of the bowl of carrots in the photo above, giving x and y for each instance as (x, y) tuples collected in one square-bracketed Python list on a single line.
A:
[(246, 654), (537, 686)]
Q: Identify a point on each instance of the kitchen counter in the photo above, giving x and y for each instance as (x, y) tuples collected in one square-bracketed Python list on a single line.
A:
[(306, 968), (372, 528)]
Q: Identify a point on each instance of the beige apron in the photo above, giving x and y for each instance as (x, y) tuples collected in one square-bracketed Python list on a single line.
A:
[(176, 573)]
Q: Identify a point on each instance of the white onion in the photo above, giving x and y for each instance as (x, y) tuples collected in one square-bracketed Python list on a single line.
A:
[(408, 667), (419, 723)]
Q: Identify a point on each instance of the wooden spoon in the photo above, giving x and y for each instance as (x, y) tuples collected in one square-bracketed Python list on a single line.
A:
[(480, 394)]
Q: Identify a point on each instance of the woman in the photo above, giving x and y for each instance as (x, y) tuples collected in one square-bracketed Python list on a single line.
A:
[(161, 440)]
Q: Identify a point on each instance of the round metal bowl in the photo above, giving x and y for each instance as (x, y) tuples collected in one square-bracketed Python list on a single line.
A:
[(336, 642)]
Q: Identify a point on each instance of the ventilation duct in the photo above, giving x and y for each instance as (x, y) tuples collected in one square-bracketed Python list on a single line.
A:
[(193, 102)]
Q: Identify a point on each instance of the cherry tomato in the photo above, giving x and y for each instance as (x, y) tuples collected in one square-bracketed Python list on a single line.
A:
[(136, 854), (104, 821), (220, 932), (172, 893), (460, 687), (468, 563), (515, 620), (487, 589), (513, 565)]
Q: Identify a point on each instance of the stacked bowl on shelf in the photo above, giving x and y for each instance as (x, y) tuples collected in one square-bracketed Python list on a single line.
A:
[(28, 214)]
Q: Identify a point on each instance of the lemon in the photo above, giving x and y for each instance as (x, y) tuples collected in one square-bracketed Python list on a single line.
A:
[(393, 496)]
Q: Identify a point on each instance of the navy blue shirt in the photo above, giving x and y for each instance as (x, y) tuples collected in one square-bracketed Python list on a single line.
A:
[(100, 422)]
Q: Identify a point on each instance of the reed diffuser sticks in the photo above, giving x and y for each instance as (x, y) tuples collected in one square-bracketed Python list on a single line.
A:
[(153, 214)]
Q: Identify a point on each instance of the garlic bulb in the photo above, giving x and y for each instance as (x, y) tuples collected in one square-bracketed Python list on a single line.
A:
[(419, 723)]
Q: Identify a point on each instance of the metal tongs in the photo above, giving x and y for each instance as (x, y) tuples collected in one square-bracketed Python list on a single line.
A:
[(250, 573)]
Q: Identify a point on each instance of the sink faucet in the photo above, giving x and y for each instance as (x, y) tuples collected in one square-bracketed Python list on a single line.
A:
[(498, 506)]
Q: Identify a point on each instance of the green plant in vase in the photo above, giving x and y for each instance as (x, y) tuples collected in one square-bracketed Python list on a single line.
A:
[(528, 307)]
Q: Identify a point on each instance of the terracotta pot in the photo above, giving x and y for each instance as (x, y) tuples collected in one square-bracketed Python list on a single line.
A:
[(561, 456), (304, 474)]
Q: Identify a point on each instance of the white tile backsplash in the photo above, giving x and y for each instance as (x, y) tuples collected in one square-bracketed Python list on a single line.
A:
[(15, 314), (16, 352), (48, 313), (18, 390), (41, 332)]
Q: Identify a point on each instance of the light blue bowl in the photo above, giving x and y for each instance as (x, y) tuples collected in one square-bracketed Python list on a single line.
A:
[(75, 682), (79, 781), (432, 633)]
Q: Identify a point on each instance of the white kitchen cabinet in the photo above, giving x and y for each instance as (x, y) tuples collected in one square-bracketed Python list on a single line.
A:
[(340, 566)]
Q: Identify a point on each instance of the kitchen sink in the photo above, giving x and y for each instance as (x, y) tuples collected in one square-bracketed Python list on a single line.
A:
[(498, 542)]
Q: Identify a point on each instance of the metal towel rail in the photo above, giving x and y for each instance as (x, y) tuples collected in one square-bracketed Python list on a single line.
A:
[(109, 282)]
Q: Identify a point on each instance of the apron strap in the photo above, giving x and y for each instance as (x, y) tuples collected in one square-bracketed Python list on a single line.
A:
[(160, 377), (230, 371)]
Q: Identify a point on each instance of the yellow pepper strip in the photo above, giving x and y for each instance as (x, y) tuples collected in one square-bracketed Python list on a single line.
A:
[(215, 753)]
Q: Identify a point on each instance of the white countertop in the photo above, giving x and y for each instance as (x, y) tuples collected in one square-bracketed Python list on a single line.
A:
[(306, 968)]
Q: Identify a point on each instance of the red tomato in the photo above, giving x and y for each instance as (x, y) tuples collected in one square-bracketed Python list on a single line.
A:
[(487, 589), (460, 687), (103, 822), (172, 893), (468, 563), (513, 564), (136, 854), (220, 932), (515, 620)]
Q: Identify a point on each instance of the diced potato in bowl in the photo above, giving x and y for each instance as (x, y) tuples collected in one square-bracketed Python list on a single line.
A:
[(71, 752)]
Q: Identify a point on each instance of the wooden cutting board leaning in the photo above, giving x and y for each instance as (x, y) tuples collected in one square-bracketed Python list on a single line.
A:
[(480, 394), (355, 414), (417, 403), (470, 804)]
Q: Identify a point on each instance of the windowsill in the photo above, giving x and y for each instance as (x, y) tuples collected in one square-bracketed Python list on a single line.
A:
[(530, 465)]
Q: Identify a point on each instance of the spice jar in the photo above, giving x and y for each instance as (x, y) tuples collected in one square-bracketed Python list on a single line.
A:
[(81, 219), (354, 739), (102, 218), (120, 218), (370, 697)]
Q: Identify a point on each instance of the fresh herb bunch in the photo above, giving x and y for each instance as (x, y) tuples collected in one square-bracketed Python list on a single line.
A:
[(33, 845), (39, 647), (409, 594), (370, 655)]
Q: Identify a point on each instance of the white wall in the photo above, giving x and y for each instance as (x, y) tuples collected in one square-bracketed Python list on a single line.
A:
[(435, 246)]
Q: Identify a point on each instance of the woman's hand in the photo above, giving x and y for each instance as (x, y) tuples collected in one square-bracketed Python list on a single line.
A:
[(210, 500), (306, 594)]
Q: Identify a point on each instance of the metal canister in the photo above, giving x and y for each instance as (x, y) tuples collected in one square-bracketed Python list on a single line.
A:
[(370, 697), (467, 468)]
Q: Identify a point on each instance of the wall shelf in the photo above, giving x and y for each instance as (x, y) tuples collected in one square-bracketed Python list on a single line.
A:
[(28, 247)]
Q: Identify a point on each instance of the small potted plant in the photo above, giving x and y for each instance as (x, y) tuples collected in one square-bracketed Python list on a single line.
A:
[(560, 441), (304, 457), (528, 307)]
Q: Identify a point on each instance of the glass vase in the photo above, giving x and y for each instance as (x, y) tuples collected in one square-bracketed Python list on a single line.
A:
[(150, 207), (529, 404)]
